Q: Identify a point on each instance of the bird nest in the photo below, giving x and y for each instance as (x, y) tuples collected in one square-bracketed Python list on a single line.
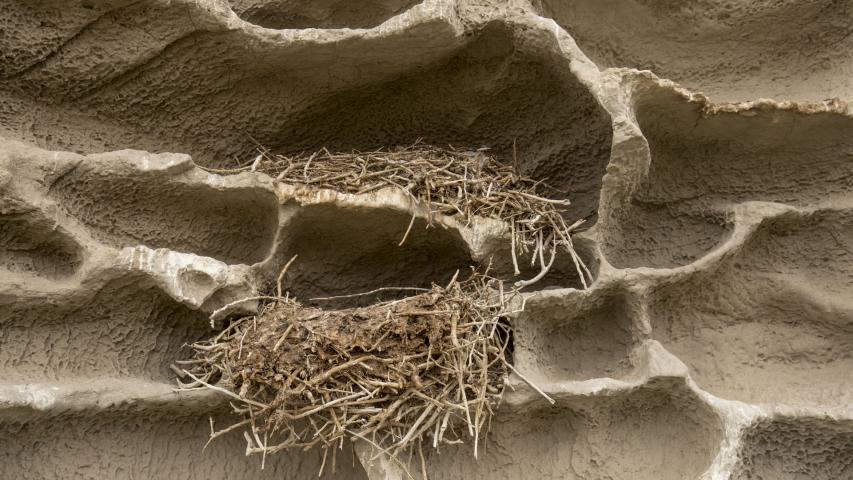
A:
[(403, 374), (463, 184)]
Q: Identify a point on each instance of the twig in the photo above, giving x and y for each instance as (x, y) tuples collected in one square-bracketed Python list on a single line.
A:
[(544, 270), (531, 384), (408, 229), (377, 290), (225, 392), (281, 274)]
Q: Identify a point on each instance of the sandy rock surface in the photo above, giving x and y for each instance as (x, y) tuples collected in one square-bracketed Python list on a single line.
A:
[(708, 143)]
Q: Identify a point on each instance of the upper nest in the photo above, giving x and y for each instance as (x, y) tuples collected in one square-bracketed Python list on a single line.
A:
[(463, 184)]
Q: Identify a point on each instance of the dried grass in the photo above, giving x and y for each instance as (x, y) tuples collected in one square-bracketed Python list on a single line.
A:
[(461, 183), (424, 370)]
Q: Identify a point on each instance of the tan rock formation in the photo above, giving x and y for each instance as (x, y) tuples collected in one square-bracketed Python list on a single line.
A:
[(716, 341)]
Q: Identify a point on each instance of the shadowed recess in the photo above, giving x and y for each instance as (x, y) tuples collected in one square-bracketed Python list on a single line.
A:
[(680, 211), (319, 13), (234, 225), (481, 97), (571, 337), (32, 244), (734, 51), (151, 445), (197, 89), (353, 250), (675, 437), (126, 328), (773, 323), (796, 449)]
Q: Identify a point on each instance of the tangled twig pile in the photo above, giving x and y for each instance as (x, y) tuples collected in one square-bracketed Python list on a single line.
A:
[(426, 369), (460, 183)]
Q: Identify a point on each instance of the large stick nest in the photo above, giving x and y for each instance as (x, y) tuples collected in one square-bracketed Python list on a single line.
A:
[(425, 370)]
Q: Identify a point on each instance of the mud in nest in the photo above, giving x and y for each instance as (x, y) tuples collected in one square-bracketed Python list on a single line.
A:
[(401, 375), (463, 184)]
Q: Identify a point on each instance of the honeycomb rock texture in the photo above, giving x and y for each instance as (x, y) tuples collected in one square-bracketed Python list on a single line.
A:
[(708, 144)]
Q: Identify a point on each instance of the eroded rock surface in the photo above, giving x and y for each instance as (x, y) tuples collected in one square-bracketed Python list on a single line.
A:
[(715, 342)]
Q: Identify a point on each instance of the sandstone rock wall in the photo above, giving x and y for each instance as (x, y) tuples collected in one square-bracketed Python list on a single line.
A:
[(716, 341)]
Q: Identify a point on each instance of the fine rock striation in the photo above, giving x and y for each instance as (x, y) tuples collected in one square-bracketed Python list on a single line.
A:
[(714, 342)]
